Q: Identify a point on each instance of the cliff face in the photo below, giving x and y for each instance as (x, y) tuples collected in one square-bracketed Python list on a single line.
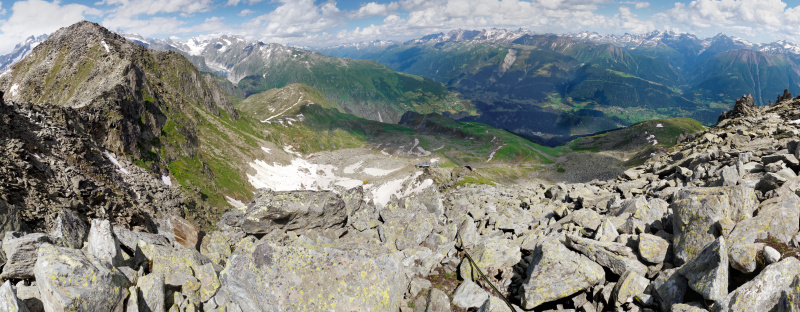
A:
[(130, 93)]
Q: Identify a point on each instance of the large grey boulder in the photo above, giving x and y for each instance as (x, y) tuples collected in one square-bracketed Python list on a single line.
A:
[(21, 252), (778, 217), (639, 215), (556, 272), (763, 292), (438, 301), (69, 229), (652, 248), (615, 256), (9, 301), (695, 216), (293, 210), (152, 294), (71, 281), (630, 286), (179, 265), (707, 273), (469, 295), (414, 231), (300, 274), (494, 256), (102, 243), (790, 297), (130, 239), (467, 233), (744, 256), (669, 287)]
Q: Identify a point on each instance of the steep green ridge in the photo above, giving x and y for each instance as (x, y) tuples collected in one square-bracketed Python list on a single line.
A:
[(153, 106), (288, 100), (361, 87)]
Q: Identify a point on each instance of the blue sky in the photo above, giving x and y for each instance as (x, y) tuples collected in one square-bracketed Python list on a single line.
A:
[(322, 23)]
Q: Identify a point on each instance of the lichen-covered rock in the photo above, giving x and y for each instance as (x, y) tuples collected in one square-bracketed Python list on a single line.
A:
[(494, 256), (130, 239), (467, 233), (630, 285), (763, 292), (494, 304), (688, 307), (615, 256), (669, 288), (695, 214), (175, 263), (21, 252), (606, 232), (300, 274), (412, 231), (438, 301), (292, 210), (9, 301), (744, 257), (71, 281), (790, 297), (209, 282), (216, 247), (102, 244), (778, 217), (556, 272), (469, 295), (652, 248), (707, 273), (152, 295), (69, 229), (638, 214)]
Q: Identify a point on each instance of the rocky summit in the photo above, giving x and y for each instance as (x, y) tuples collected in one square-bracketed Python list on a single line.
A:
[(712, 224), (709, 224)]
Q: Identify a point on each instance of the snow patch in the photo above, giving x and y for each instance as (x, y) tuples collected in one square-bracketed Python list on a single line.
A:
[(285, 110), (351, 169), (14, 89), (379, 117), (115, 162), (235, 203), (491, 156), (105, 45), (298, 175), (266, 150), (659, 126), (166, 180), (377, 172), (383, 194), (288, 149)]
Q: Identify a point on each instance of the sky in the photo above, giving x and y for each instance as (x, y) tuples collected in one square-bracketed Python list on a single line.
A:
[(315, 23)]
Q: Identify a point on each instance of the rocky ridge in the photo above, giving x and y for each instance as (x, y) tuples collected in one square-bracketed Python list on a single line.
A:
[(711, 224)]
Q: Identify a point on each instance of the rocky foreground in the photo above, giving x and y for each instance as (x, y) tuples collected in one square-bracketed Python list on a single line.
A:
[(711, 224)]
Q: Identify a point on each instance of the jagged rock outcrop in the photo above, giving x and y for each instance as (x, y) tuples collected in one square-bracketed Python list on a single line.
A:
[(744, 107)]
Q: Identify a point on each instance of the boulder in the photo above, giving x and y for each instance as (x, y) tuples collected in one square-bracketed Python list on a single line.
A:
[(216, 247), (615, 256), (771, 255), (71, 281), (69, 229), (606, 232), (707, 272), (300, 274), (638, 214), (292, 210), (102, 244), (743, 257), (469, 295), (778, 217), (414, 230), (185, 233), (438, 301), (21, 252), (130, 239), (790, 297), (494, 256), (152, 291), (467, 233), (763, 292), (494, 304), (688, 307), (630, 286), (10, 220), (695, 216), (9, 301), (653, 249), (176, 263), (669, 287), (556, 272)]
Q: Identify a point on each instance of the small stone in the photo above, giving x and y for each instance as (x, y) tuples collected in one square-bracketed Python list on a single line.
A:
[(771, 255), (652, 248)]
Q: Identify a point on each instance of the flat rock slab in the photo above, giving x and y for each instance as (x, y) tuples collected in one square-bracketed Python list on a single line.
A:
[(71, 281), (293, 210), (556, 272)]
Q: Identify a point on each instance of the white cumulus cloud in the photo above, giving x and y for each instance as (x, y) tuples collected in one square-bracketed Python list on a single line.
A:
[(36, 17)]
